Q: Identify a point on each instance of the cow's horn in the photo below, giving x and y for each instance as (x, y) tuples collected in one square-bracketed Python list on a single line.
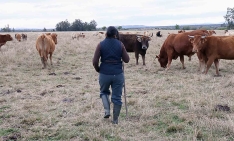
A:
[(191, 36), (203, 36)]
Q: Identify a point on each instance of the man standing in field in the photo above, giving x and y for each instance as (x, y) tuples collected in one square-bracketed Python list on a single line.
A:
[(112, 52)]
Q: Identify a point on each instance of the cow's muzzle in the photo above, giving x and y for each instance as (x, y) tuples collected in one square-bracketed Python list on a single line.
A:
[(144, 47), (195, 50)]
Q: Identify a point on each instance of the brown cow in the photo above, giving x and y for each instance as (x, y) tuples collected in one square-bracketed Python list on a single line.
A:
[(45, 45), (213, 48), (18, 37), (177, 45), (24, 36), (135, 43), (4, 39)]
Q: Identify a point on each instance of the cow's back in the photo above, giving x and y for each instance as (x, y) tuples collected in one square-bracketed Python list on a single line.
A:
[(181, 43), (220, 47), (129, 41)]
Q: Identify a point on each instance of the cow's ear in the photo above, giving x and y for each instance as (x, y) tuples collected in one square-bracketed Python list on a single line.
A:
[(139, 39), (191, 40), (157, 56), (149, 39)]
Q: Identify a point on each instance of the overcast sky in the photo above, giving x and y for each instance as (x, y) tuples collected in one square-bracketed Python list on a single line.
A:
[(47, 13)]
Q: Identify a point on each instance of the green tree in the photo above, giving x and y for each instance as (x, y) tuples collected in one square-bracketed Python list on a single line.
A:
[(77, 25), (44, 29), (104, 28), (229, 18), (6, 29), (177, 26), (119, 27), (63, 26)]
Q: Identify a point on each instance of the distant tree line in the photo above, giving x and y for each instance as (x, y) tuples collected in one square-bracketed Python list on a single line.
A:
[(77, 25)]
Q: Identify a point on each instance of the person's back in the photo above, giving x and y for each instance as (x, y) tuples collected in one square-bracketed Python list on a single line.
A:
[(112, 52)]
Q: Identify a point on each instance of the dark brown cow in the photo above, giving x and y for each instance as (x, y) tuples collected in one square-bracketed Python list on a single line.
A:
[(213, 48), (4, 39), (136, 43), (177, 45), (24, 36)]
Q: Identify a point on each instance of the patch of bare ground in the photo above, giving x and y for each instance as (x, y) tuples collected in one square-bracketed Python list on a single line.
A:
[(62, 102)]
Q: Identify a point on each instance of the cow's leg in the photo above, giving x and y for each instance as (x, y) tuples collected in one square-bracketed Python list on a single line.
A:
[(43, 62), (51, 59), (182, 61), (216, 62), (143, 58), (169, 63), (137, 57), (189, 58), (208, 64)]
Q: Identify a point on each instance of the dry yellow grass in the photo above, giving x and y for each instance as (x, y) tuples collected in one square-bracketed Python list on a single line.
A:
[(177, 105)]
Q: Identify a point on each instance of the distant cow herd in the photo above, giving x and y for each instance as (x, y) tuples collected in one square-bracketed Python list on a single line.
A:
[(208, 48)]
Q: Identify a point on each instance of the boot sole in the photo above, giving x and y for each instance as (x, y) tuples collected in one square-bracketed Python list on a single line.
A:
[(106, 116)]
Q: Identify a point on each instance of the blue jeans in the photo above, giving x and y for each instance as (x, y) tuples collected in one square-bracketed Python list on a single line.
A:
[(116, 83)]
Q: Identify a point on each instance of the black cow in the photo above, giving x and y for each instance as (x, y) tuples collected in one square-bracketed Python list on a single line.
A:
[(135, 43), (158, 34)]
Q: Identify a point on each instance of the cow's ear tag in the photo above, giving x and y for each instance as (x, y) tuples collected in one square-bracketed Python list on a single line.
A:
[(139, 39)]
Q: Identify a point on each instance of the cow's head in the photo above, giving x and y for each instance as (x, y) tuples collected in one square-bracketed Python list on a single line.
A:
[(163, 61), (144, 40), (54, 37), (197, 42), (8, 37)]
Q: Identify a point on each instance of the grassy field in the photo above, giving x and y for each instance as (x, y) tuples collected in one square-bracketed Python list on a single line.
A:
[(166, 106)]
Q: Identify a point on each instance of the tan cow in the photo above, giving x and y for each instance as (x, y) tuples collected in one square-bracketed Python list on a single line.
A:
[(45, 45), (18, 37)]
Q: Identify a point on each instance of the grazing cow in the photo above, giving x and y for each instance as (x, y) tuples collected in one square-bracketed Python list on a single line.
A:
[(181, 31), (45, 45), (4, 39), (211, 32), (24, 36), (158, 34), (135, 43), (18, 37), (177, 45), (213, 48)]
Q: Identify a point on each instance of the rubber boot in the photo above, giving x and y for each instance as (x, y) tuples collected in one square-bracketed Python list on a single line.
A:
[(106, 105), (116, 111)]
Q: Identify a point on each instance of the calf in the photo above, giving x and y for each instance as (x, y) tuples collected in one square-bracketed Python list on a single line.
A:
[(45, 46), (4, 39), (135, 43), (213, 48)]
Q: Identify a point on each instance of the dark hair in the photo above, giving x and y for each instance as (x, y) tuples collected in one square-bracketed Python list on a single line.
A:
[(112, 32)]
